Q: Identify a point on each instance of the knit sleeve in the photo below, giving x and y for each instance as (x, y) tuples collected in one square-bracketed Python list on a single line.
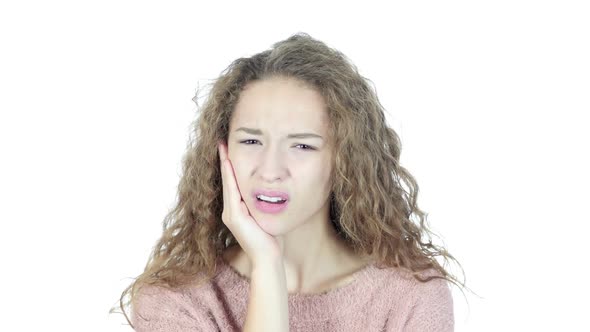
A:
[(157, 309), (433, 309)]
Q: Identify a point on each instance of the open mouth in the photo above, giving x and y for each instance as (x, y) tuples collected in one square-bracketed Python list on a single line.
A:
[(271, 207), (282, 201)]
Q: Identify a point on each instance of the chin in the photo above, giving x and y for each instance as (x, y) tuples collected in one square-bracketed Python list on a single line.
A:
[(275, 226), (269, 225)]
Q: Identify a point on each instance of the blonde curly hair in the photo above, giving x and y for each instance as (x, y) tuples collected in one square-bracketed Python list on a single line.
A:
[(373, 197)]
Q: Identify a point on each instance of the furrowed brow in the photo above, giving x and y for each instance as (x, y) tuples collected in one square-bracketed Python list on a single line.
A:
[(258, 132)]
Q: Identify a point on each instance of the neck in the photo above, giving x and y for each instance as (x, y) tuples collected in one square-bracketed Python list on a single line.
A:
[(318, 259)]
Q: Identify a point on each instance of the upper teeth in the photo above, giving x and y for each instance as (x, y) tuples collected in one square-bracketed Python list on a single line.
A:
[(270, 199)]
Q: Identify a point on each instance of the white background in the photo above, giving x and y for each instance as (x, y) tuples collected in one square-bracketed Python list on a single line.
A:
[(490, 100)]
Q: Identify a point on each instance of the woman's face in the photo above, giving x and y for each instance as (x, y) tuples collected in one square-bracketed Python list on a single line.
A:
[(264, 157)]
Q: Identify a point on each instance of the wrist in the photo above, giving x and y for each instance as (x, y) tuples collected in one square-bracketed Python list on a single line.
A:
[(266, 263)]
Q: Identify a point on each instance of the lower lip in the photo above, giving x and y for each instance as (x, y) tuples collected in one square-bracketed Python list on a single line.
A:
[(270, 207)]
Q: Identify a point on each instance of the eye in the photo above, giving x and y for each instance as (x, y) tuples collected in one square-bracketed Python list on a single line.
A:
[(248, 140), (305, 146)]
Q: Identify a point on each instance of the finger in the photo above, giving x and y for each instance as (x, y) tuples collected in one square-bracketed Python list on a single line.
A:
[(232, 195), (222, 154), (223, 170), (231, 184)]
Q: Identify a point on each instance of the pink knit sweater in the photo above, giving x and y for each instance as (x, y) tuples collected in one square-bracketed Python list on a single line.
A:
[(377, 300)]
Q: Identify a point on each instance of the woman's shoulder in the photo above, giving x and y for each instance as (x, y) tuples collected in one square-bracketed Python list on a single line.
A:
[(403, 280)]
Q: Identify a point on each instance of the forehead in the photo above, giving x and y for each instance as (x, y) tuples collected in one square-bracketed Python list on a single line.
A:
[(281, 105)]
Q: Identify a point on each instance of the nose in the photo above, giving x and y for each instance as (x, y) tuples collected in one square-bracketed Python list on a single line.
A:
[(272, 165)]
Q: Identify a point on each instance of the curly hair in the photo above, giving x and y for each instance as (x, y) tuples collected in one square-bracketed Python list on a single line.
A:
[(373, 198)]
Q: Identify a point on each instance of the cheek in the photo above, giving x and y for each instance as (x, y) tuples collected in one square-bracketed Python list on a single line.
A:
[(314, 179), (240, 171), (239, 167), (236, 157)]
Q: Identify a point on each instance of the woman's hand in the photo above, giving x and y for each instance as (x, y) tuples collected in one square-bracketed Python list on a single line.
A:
[(258, 245)]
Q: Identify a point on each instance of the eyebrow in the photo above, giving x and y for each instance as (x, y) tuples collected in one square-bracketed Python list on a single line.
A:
[(252, 131)]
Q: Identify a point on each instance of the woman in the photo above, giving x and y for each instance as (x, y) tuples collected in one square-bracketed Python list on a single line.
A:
[(292, 211)]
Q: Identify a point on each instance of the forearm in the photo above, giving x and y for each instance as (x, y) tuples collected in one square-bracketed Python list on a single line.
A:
[(268, 309)]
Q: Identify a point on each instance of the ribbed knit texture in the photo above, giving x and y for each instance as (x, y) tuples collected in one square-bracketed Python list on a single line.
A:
[(378, 300)]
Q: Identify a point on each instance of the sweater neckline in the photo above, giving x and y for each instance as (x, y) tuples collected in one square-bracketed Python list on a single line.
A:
[(336, 301)]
